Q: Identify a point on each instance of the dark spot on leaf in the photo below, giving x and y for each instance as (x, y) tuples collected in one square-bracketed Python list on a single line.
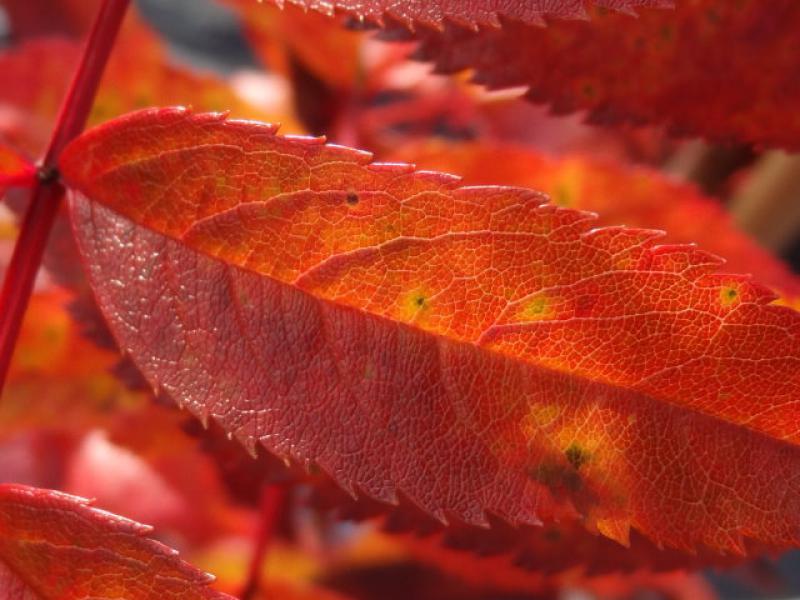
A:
[(419, 301), (557, 477), (576, 456), (352, 198)]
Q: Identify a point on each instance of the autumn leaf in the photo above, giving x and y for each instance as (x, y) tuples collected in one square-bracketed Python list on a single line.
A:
[(501, 575), (473, 349), (724, 70), (60, 395), (54, 545), (635, 196), (523, 556), (434, 13), (34, 75), (280, 36)]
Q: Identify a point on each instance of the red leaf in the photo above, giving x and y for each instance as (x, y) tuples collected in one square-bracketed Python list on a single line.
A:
[(471, 13), (53, 545), (502, 575), (722, 69), (472, 348)]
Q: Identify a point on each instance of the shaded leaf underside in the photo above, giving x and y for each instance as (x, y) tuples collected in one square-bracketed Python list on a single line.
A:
[(54, 545), (471, 13), (474, 349), (725, 70)]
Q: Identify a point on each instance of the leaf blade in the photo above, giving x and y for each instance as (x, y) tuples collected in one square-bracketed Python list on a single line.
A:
[(470, 14), (708, 68), (49, 538), (354, 375)]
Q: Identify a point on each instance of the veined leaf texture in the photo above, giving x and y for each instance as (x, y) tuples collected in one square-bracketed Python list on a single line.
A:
[(619, 194), (57, 546), (723, 70), (434, 13), (474, 349)]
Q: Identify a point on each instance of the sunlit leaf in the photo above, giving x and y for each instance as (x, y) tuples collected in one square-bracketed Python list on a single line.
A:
[(637, 197), (474, 349)]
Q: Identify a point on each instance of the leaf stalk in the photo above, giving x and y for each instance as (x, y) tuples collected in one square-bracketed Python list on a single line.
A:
[(272, 502), (47, 192)]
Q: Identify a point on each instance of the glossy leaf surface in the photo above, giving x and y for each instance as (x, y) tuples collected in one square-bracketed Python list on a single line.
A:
[(471, 13), (725, 70), (474, 349), (54, 545)]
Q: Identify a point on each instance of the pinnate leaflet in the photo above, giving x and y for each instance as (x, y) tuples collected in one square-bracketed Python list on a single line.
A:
[(723, 70), (634, 196), (474, 349), (53, 545), (471, 13)]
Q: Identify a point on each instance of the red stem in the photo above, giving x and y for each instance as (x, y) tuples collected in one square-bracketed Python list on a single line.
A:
[(47, 192), (271, 505)]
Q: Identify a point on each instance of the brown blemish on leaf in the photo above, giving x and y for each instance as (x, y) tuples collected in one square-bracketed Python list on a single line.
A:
[(576, 456), (728, 295), (558, 477)]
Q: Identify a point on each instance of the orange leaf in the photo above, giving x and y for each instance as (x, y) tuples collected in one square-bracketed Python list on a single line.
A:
[(722, 69), (278, 36), (638, 197), (53, 545), (434, 13), (475, 349)]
